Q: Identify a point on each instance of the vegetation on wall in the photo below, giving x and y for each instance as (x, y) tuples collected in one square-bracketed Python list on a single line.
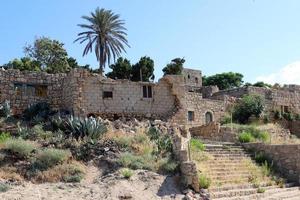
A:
[(249, 105), (51, 54), (175, 67), (143, 70), (226, 80)]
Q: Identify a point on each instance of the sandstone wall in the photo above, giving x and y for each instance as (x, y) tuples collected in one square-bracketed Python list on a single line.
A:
[(213, 131), (127, 97), (188, 168), (25, 88), (285, 157)]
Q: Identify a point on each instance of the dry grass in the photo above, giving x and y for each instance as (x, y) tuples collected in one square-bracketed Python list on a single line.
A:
[(10, 173), (67, 172)]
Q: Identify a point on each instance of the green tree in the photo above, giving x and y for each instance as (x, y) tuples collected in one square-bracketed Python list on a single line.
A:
[(50, 53), (225, 80), (74, 64), (143, 69), (23, 64), (120, 70), (262, 84), (175, 67), (106, 34), (249, 105)]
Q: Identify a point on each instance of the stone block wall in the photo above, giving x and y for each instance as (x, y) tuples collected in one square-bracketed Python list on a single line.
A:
[(286, 158), (25, 88), (275, 99), (213, 131), (84, 93), (206, 131), (192, 77), (127, 97), (188, 168)]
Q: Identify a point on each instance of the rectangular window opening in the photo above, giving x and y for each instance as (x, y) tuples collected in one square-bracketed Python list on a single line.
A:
[(147, 91), (40, 90), (107, 95), (191, 116)]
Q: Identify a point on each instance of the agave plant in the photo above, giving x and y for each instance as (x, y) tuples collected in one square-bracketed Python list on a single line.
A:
[(88, 128), (5, 110)]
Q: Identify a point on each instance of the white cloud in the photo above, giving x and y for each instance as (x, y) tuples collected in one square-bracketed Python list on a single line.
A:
[(289, 74)]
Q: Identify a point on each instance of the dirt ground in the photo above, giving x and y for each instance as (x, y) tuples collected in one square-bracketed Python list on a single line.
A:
[(142, 185)]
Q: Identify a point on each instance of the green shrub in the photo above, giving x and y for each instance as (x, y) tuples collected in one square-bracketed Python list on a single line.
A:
[(264, 136), (124, 141), (277, 115), (246, 137), (20, 147), (197, 145), (204, 181), (35, 133), (226, 119), (266, 119), (297, 116), (162, 141), (132, 161), (41, 110), (249, 133), (5, 110), (4, 187), (126, 173), (249, 105), (261, 190), (48, 158), (288, 116), (4, 137), (260, 158), (168, 166), (266, 168)]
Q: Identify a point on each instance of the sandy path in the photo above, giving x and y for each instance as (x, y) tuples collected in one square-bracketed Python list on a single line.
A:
[(142, 185)]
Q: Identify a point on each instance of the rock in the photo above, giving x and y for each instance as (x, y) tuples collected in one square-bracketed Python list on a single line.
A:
[(125, 196)]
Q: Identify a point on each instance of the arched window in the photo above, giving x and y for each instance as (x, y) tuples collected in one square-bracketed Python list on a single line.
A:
[(208, 117)]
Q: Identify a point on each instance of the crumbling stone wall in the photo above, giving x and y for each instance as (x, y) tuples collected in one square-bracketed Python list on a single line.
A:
[(84, 93), (215, 132), (127, 97), (192, 77), (26, 88), (283, 99), (285, 157), (188, 168)]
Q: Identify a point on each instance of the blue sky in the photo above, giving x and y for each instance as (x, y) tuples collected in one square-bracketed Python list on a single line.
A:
[(258, 38)]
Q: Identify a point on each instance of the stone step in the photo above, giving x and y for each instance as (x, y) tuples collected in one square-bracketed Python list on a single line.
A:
[(269, 194), (236, 192), (231, 154), (243, 186), (223, 183), (224, 168), (226, 174)]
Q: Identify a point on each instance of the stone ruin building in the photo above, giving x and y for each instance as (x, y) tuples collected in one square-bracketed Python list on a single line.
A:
[(176, 98)]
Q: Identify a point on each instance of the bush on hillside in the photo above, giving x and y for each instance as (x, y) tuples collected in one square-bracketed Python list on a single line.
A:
[(249, 105), (204, 181), (48, 158), (38, 111), (20, 147), (246, 137), (4, 137), (89, 128), (162, 141), (197, 145)]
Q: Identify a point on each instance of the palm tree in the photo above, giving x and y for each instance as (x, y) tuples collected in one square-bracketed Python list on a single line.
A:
[(105, 34)]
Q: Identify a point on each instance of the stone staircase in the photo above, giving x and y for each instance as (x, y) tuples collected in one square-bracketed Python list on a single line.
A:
[(235, 176)]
